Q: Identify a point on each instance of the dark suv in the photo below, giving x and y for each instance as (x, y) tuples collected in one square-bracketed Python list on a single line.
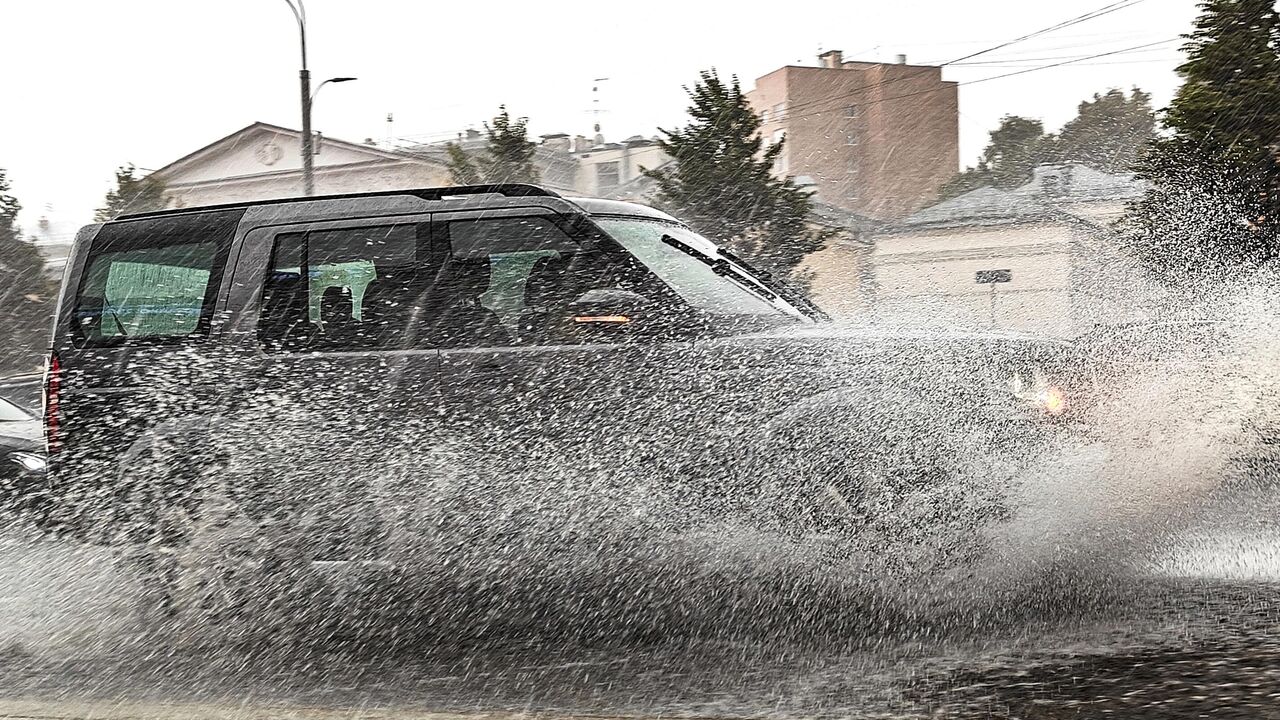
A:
[(351, 359)]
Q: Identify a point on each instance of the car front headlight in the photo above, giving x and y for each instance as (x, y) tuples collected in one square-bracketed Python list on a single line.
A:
[(1034, 388), (30, 462)]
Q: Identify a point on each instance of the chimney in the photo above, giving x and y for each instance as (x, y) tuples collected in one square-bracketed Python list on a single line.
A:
[(831, 59), (581, 144), (902, 59)]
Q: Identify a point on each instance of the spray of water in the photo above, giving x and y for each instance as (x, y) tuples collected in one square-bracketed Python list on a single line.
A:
[(424, 541)]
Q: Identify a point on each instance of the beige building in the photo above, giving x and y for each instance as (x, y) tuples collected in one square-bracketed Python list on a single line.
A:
[(262, 161), (616, 170), (874, 138), (1040, 258)]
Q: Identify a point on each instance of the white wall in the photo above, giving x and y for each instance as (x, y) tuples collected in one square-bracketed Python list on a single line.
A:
[(931, 278), (328, 181), (629, 159)]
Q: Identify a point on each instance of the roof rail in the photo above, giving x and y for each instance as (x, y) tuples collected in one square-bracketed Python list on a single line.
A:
[(436, 193)]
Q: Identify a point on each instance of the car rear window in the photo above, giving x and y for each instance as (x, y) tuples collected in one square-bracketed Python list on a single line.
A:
[(152, 280)]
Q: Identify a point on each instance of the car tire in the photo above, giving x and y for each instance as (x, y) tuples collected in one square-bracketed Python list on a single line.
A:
[(884, 479)]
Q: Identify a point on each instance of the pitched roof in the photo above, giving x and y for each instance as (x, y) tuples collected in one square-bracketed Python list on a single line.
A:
[(1051, 188), (983, 206), (256, 127)]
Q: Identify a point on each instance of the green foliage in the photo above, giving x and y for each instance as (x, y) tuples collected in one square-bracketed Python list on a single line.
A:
[(723, 184), (25, 293), (506, 158), (1108, 133), (131, 194), (462, 171), (1213, 205), (1016, 147)]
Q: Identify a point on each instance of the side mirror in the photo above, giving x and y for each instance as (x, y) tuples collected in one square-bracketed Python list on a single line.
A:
[(609, 307)]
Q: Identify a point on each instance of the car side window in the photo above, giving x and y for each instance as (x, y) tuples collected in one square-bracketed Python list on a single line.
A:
[(152, 280), (343, 289), (454, 283), (523, 281)]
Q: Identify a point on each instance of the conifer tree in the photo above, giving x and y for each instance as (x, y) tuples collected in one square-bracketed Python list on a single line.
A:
[(723, 182), (1213, 205)]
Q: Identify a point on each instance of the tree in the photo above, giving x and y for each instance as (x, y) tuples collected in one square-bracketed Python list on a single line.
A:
[(462, 171), (1213, 203), (131, 194), (506, 158), (1109, 132), (25, 292), (723, 184), (1016, 147)]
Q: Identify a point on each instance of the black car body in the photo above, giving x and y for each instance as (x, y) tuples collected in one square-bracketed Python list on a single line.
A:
[(501, 346)]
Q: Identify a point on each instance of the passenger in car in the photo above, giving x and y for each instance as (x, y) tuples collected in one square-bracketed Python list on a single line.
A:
[(463, 320)]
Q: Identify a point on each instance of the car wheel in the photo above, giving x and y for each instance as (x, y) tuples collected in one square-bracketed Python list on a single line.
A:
[(884, 479)]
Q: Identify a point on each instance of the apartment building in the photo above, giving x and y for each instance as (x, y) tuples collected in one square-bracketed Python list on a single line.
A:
[(877, 139)]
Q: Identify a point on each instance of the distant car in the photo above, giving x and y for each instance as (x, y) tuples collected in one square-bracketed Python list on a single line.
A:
[(22, 459), (22, 390), (502, 349)]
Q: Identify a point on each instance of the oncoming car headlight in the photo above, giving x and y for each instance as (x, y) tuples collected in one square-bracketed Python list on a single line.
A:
[(1035, 389), (30, 462)]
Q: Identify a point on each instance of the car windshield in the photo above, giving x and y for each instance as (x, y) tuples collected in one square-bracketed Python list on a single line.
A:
[(12, 413), (690, 272)]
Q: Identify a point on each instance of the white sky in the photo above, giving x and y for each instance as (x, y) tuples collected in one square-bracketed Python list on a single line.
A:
[(92, 84)]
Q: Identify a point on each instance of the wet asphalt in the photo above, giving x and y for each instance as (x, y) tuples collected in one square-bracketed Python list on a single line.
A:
[(1194, 631)]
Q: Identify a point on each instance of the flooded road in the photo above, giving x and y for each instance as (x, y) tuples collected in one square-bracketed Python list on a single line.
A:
[(1195, 633)]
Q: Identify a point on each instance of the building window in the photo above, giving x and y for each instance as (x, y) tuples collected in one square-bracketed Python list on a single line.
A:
[(779, 111), (850, 137), (607, 176), (851, 112), (764, 117)]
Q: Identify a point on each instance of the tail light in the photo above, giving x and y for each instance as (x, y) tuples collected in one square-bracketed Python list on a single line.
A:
[(53, 405)]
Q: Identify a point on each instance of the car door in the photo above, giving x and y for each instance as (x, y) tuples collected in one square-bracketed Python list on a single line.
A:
[(561, 407), (344, 388)]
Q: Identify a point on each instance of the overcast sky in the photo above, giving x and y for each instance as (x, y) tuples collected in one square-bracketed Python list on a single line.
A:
[(92, 84)]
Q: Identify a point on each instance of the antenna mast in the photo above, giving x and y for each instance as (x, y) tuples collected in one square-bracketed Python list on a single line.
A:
[(595, 107)]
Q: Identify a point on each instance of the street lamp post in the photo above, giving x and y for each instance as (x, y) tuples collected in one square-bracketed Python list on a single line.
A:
[(308, 97), (304, 78), (316, 94)]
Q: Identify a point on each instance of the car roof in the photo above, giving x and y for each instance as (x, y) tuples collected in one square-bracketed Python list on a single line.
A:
[(452, 197), (598, 206)]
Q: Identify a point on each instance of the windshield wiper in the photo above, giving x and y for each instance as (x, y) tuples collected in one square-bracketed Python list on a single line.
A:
[(114, 316), (721, 267), (787, 290)]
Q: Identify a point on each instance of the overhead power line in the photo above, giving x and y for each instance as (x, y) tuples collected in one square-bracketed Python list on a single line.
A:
[(1006, 75), (1085, 17)]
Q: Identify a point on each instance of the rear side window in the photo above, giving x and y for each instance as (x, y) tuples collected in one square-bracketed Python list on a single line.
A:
[(152, 280), (344, 289)]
